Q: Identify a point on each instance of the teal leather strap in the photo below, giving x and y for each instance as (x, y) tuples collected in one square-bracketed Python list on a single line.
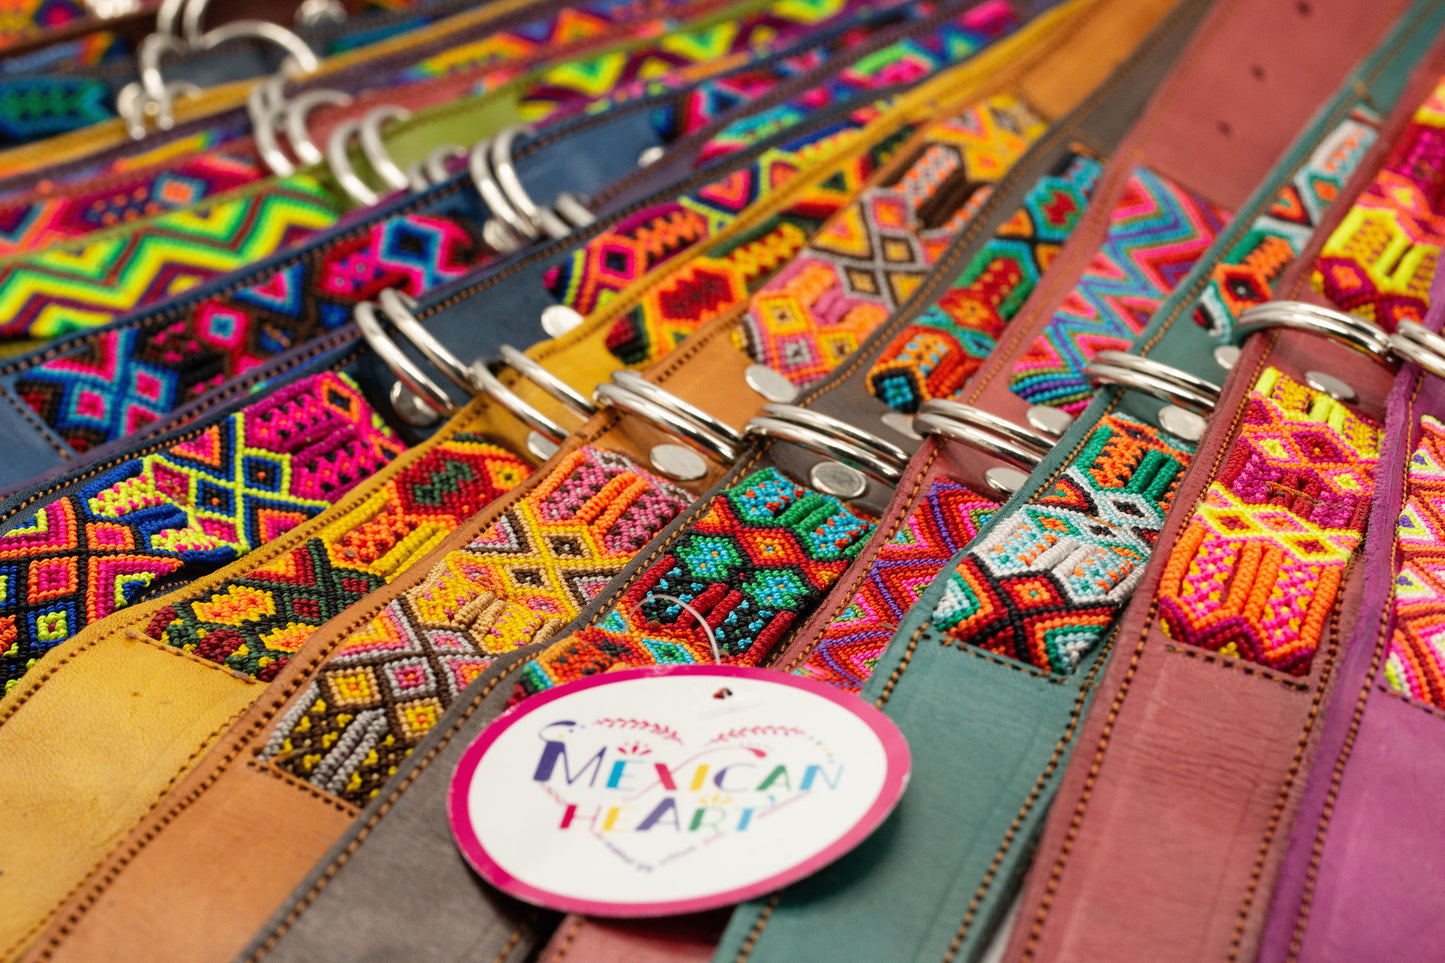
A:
[(989, 735)]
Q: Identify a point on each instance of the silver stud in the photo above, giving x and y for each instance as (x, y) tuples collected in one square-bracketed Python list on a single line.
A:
[(836, 478), (1330, 385), (558, 319), (901, 423), (1226, 355), (650, 156), (678, 462), (1005, 481), (770, 384), (1051, 421), (410, 408), (540, 445), (1181, 424)]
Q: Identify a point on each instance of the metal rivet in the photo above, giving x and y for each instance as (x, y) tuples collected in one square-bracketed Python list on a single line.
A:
[(410, 408), (901, 423), (770, 384), (650, 156), (1330, 385), (558, 319), (1182, 424), (1226, 355), (1005, 481), (540, 445), (836, 478), (678, 462), (1051, 421), (499, 237)]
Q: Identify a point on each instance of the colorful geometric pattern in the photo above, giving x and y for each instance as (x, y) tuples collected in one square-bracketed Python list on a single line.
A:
[(870, 257), (1380, 260), (32, 222), (941, 349), (85, 285), (615, 259), (946, 519), (23, 20), (179, 512), (906, 62), (1415, 665), (713, 282), (753, 564), (1044, 586), (527, 575), (35, 107), (1157, 233), (119, 380), (1256, 571), (1246, 274), (254, 621)]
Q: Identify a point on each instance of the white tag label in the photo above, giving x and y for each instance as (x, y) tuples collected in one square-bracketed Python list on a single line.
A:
[(664, 790)]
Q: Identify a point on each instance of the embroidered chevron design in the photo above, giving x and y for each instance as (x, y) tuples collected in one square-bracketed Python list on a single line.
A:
[(1157, 233), (945, 520), (74, 287), (1415, 664)]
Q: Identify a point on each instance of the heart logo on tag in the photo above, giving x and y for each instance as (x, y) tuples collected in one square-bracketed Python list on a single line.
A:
[(673, 789)]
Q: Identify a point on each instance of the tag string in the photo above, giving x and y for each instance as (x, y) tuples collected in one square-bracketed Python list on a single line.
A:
[(711, 636)]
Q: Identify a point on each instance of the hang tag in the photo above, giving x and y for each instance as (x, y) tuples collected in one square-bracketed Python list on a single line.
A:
[(663, 790)]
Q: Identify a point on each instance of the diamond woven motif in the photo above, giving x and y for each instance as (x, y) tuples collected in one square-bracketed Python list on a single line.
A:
[(182, 511), (1255, 573), (1044, 586), (524, 577), (1415, 664)]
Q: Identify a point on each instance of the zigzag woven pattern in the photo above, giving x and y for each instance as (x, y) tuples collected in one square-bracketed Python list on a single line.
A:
[(173, 514), (1415, 664), (71, 288), (615, 259), (255, 620), (1157, 233), (941, 349), (906, 62), (119, 380), (1246, 274), (870, 257), (944, 521), (754, 563), (722, 278), (35, 107), (1256, 571), (527, 575), (1380, 260), (32, 223), (1043, 587)]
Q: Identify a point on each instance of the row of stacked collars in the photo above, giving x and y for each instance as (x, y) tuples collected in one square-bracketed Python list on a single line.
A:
[(1060, 378)]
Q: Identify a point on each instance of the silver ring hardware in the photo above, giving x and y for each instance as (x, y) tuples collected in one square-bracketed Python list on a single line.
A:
[(671, 414), (500, 154), (188, 14), (980, 430), (270, 109), (570, 398), (368, 132), (297, 110), (407, 373), (833, 438), (140, 110), (374, 148), (1350, 330), (573, 209), (492, 386), (1035, 443), (1153, 378), (480, 166), (1414, 342)]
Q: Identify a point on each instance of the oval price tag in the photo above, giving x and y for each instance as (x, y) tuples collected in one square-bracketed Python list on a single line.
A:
[(662, 790)]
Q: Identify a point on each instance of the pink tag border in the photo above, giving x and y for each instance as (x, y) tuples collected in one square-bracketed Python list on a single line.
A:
[(899, 763)]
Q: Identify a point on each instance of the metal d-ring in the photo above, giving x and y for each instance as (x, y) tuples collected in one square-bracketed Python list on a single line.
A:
[(669, 417), (931, 422), (830, 444), (480, 166), (1153, 378), (374, 148), (339, 160), (138, 108), (1018, 438), (407, 372), (500, 154), (884, 451), (1412, 341), (295, 115), (634, 382), (569, 397), (490, 385), (572, 209), (1350, 330)]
